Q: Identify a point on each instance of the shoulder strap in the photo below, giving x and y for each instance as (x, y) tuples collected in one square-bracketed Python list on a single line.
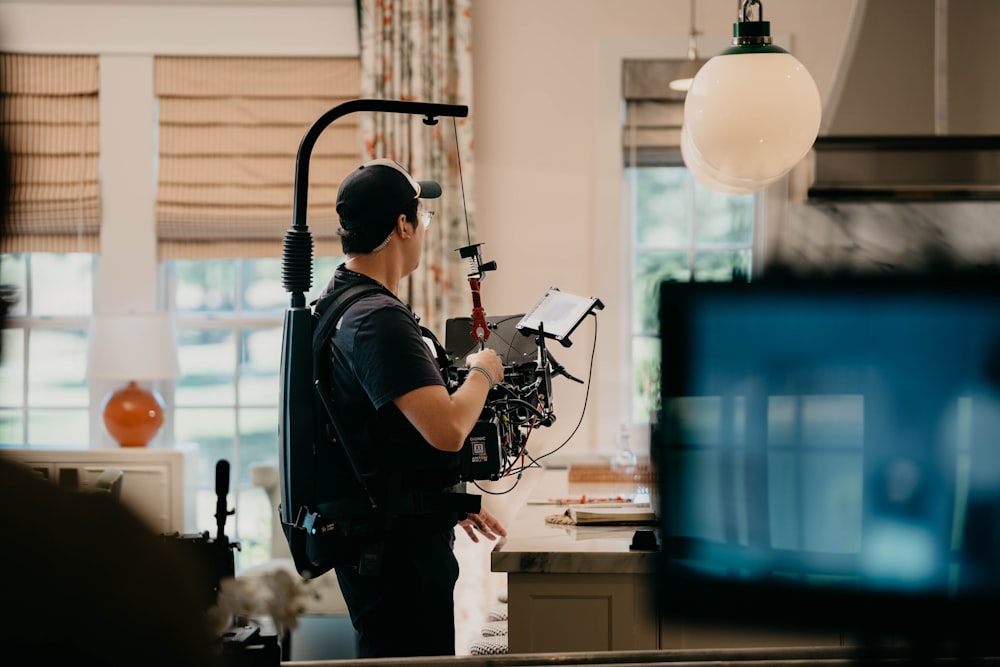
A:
[(333, 305), (330, 308)]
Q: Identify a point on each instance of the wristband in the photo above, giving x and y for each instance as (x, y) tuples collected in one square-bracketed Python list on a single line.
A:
[(489, 378)]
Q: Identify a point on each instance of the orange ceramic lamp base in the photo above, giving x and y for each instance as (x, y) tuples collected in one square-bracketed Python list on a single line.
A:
[(133, 415)]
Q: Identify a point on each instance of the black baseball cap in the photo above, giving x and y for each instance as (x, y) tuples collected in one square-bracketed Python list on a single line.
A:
[(372, 196)]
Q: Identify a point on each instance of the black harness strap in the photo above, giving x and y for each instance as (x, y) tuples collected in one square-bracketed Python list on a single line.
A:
[(348, 511)]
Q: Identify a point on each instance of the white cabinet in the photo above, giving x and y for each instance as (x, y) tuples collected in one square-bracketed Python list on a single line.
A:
[(152, 484)]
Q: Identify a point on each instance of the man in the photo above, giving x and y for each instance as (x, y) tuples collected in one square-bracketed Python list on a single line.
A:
[(396, 407)]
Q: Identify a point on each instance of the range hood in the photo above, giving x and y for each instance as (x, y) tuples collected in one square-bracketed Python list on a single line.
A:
[(914, 113)]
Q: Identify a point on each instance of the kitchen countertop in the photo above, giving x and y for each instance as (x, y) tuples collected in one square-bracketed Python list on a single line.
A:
[(533, 545)]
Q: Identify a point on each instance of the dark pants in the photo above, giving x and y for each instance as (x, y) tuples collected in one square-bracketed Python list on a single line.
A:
[(408, 609)]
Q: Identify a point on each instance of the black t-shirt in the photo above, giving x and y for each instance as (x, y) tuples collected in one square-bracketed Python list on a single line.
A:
[(379, 353)]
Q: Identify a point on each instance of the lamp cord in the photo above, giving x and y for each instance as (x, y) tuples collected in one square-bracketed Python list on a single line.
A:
[(693, 37)]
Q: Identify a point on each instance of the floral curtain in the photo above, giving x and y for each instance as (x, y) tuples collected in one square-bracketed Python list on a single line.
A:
[(421, 51)]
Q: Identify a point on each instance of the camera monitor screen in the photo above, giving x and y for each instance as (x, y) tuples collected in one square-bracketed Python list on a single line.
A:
[(557, 314), (829, 452)]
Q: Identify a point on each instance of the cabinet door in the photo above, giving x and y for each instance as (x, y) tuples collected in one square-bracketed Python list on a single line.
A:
[(580, 612), (145, 489), (152, 484)]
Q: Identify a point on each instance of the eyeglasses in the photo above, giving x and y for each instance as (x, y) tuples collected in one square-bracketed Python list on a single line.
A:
[(425, 218)]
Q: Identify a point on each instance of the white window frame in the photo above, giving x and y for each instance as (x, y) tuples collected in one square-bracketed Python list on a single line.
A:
[(612, 382), (28, 324)]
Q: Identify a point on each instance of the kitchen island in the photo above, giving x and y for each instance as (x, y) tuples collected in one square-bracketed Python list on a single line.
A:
[(582, 588)]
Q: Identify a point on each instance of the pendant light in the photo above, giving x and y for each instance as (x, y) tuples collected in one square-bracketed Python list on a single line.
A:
[(711, 178), (685, 73), (753, 111)]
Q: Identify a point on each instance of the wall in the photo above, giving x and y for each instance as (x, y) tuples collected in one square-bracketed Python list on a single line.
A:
[(545, 107), (548, 163)]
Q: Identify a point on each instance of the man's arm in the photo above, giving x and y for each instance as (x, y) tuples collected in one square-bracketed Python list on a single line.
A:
[(445, 420)]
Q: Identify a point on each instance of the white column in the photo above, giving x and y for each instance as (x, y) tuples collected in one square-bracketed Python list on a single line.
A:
[(127, 269), (127, 274)]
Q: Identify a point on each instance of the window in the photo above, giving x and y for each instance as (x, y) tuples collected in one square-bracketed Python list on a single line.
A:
[(228, 133), (680, 230), (50, 128), (230, 314), (44, 397)]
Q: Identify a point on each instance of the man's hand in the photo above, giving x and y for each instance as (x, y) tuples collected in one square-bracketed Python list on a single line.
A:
[(485, 523), (489, 360)]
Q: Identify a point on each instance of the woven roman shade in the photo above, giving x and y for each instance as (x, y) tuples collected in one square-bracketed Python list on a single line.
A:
[(49, 121), (654, 113), (230, 130)]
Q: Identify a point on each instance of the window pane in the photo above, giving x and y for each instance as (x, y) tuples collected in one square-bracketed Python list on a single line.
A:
[(259, 383), (261, 283), (61, 283), (205, 285), (208, 367), (258, 438), (14, 272), (662, 212), (12, 368), (11, 428), (62, 428), (258, 446), (323, 268), (253, 528), (682, 231), (710, 266), (646, 377), (57, 360), (213, 431), (723, 218), (651, 269)]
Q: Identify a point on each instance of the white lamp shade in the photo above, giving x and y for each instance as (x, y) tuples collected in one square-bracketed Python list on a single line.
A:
[(752, 116), (711, 178), (685, 75), (132, 347)]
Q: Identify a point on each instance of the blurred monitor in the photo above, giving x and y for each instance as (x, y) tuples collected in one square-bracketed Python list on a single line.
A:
[(828, 454)]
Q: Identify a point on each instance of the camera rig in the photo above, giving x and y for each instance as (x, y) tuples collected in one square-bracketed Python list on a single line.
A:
[(523, 400), (517, 405)]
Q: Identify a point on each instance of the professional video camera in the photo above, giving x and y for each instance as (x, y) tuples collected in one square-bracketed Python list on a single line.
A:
[(523, 400)]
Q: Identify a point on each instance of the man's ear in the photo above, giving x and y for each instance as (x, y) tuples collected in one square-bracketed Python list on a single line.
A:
[(404, 226)]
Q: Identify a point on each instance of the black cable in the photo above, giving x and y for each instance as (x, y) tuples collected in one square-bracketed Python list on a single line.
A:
[(535, 461), (461, 179), (586, 396)]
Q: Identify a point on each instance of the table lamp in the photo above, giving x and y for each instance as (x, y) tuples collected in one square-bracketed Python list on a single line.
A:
[(132, 348)]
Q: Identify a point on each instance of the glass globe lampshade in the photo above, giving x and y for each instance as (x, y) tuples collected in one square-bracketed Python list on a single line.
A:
[(752, 111), (713, 179)]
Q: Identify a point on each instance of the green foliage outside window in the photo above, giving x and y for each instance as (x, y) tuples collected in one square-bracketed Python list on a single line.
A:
[(681, 232)]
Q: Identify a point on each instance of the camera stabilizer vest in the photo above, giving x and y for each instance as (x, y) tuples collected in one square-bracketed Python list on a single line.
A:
[(326, 529)]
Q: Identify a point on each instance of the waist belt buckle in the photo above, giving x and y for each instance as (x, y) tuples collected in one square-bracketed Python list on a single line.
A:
[(306, 520)]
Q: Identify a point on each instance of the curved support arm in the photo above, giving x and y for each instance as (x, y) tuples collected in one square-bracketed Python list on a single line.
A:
[(296, 262), (430, 110)]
